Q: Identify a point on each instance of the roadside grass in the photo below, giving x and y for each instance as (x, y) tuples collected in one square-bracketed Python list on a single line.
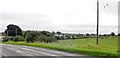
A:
[(108, 46)]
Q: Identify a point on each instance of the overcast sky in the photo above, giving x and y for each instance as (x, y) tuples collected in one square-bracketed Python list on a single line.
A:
[(72, 16)]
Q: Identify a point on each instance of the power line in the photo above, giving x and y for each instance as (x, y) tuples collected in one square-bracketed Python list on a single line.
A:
[(108, 5), (104, 6)]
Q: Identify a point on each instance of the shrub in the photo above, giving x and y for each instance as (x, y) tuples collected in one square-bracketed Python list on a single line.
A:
[(41, 39), (50, 39), (31, 36), (46, 39), (18, 38), (7, 38), (25, 33)]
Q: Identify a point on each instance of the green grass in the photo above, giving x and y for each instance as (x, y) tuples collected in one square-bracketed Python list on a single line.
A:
[(107, 46)]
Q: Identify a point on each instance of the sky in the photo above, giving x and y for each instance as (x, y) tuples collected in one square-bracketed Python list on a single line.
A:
[(68, 16)]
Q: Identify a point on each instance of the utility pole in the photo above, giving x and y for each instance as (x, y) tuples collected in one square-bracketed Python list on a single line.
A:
[(97, 22)]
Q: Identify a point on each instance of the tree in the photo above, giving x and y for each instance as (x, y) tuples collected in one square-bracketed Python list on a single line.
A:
[(45, 32), (25, 33), (118, 34), (32, 36), (87, 34), (112, 34), (58, 32), (53, 32), (13, 30)]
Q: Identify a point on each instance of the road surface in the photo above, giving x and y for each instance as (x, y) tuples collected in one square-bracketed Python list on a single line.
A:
[(20, 51), (17, 51)]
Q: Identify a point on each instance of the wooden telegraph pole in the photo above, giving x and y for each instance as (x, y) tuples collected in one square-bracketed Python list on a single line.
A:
[(97, 22)]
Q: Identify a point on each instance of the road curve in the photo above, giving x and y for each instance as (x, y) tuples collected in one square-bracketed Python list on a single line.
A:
[(9, 50)]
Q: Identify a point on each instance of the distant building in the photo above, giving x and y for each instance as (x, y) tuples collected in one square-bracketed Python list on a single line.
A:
[(59, 36)]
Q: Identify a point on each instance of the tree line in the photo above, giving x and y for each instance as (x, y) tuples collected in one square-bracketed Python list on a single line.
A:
[(15, 33)]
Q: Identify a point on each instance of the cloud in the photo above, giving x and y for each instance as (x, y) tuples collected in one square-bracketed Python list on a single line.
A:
[(58, 15), (21, 16), (24, 18)]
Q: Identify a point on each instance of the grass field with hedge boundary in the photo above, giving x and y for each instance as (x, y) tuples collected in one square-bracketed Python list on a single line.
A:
[(72, 50)]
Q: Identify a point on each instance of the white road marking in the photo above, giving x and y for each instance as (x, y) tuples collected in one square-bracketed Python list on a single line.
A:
[(19, 51), (49, 54), (14, 50), (53, 51), (4, 55), (11, 48), (26, 49), (40, 51)]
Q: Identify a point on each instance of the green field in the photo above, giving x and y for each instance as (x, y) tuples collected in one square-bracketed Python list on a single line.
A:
[(108, 46)]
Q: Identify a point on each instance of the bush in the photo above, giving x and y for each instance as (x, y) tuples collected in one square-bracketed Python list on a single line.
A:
[(41, 39), (7, 38), (31, 36), (25, 33), (18, 38), (50, 39), (46, 39)]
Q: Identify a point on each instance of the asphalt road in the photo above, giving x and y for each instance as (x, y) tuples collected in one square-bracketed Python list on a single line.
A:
[(19, 51)]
